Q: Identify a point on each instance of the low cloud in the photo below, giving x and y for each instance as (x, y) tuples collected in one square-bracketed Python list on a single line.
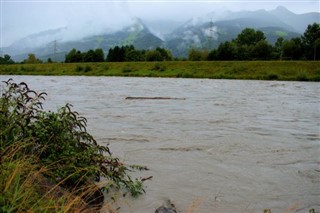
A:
[(83, 18)]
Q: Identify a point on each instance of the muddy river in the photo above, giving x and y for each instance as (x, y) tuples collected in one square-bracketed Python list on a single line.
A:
[(221, 146)]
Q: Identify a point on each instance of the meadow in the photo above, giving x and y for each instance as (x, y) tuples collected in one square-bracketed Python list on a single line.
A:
[(250, 70)]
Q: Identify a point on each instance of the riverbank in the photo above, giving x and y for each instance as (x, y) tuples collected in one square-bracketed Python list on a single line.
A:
[(251, 70), (48, 160)]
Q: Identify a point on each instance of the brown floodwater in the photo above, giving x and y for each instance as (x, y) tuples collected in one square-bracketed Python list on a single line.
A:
[(221, 146)]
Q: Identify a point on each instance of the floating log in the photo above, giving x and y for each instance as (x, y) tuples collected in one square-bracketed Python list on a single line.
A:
[(153, 98)]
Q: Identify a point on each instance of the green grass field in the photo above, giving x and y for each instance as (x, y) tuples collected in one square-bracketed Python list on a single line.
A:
[(257, 70)]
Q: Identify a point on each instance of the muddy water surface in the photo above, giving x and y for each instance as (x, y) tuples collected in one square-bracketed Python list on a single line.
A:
[(230, 146)]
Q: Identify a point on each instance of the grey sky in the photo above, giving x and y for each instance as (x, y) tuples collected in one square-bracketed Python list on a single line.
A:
[(20, 18)]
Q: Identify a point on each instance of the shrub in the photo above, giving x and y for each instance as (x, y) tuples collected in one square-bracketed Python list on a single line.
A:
[(272, 76), (60, 140), (302, 76), (159, 67), (87, 68), (127, 69), (79, 68)]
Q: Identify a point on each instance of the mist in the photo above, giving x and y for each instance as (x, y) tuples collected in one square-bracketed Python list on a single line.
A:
[(82, 18)]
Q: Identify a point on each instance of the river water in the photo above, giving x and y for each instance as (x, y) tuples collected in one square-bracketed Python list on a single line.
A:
[(226, 146)]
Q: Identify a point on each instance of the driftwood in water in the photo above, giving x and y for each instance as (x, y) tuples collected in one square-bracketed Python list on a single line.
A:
[(153, 98)]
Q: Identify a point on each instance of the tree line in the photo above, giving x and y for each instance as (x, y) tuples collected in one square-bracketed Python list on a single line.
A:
[(251, 44), (119, 54)]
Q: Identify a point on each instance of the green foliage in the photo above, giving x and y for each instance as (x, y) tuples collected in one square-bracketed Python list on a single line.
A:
[(24, 187), (6, 59), (159, 67), (281, 34), (87, 68), (129, 53), (292, 49), (32, 59), (79, 68), (261, 50), (311, 41), (285, 70), (252, 45), (98, 55), (153, 55), (249, 37), (60, 139), (117, 54), (197, 55), (74, 56), (89, 56), (226, 51)]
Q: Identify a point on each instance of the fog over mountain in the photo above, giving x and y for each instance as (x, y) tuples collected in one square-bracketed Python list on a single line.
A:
[(42, 26)]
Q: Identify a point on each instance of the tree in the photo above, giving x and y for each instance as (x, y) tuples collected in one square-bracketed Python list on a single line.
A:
[(133, 55), (278, 49), (310, 43), (89, 56), (243, 52), (293, 49), (159, 54), (165, 54), (261, 50), (153, 55), (316, 54), (226, 51), (198, 55), (249, 37), (6, 59), (99, 55), (32, 59), (116, 54), (74, 56), (194, 55), (212, 55)]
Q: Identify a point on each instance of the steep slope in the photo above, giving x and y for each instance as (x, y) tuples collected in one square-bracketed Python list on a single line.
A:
[(210, 34), (298, 21), (136, 34), (204, 33), (259, 18)]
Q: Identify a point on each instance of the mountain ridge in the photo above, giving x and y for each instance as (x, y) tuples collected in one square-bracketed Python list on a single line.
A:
[(202, 32)]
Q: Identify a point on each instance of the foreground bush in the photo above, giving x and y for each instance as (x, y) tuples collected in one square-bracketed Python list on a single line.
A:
[(67, 154)]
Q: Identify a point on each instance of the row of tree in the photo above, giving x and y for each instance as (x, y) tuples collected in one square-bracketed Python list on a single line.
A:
[(252, 45), (129, 53), (119, 54), (32, 59), (89, 56)]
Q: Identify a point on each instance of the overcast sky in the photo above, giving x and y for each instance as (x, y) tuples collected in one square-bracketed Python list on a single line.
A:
[(20, 18)]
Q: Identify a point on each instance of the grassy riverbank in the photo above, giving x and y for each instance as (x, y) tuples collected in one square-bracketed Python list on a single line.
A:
[(257, 70)]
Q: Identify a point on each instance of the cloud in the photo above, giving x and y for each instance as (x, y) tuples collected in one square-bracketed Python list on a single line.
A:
[(211, 32), (83, 18)]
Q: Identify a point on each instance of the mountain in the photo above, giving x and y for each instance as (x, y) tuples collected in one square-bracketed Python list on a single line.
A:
[(136, 34), (209, 35), (205, 32), (298, 21), (208, 32)]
